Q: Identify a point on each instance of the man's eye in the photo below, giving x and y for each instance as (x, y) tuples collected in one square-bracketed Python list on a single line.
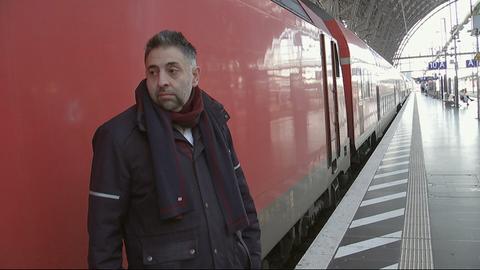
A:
[(173, 70), (152, 72)]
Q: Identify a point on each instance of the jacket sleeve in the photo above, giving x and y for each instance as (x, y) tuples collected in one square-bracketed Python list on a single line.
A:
[(250, 235), (107, 202)]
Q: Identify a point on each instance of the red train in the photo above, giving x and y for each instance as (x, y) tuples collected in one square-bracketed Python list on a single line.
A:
[(305, 95)]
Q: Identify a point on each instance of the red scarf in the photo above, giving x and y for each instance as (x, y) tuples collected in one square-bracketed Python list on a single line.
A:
[(190, 113)]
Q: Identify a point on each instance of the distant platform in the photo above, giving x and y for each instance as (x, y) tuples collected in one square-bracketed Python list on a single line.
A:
[(416, 203)]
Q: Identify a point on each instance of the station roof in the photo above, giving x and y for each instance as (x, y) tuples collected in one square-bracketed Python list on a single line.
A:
[(381, 23)]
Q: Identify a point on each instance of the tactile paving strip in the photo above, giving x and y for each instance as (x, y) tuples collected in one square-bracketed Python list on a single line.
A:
[(416, 238)]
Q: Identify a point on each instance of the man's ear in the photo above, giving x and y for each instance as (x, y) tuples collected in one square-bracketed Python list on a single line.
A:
[(196, 76)]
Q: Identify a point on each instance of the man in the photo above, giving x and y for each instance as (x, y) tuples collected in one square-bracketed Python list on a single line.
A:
[(165, 177), (465, 97)]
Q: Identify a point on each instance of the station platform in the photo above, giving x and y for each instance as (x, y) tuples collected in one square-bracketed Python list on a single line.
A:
[(416, 202)]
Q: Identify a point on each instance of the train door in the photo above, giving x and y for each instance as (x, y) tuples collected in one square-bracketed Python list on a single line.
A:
[(395, 92), (329, 102), (335, 75), (361, 100), (378, 103)]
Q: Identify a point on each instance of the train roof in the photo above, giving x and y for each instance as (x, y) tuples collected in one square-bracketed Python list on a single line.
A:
[(349, 43), (316, 19)]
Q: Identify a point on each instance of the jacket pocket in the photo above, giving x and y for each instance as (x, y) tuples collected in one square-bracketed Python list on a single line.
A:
[(243, 254), (169, 250)]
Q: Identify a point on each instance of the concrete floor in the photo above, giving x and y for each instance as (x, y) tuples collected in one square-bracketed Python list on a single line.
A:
[(451, 146)]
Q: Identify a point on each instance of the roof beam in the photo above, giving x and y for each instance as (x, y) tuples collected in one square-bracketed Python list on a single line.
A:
[(380, 22)]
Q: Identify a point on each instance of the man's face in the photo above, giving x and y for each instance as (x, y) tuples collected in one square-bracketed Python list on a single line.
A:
[(170, 77)]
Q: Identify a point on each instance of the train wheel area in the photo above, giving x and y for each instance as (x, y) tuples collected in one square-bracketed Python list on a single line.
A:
[(416, 202)]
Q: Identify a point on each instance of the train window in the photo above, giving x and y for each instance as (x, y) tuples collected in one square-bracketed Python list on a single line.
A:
[(367, 84), (337, 62), (294, 7), (370, 85), (362, 95)]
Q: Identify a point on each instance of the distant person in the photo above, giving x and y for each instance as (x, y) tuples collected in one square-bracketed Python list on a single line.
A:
[(422, 88), (165, 177), (450, 101), (464, 96)]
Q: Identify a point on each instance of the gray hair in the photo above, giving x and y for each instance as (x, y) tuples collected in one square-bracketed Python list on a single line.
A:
[(167, 38)]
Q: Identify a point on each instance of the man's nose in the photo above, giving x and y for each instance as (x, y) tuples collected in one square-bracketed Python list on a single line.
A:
[(162, 79)]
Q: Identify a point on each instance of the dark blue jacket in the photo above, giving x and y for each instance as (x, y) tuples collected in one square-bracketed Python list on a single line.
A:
[(123, 205)]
